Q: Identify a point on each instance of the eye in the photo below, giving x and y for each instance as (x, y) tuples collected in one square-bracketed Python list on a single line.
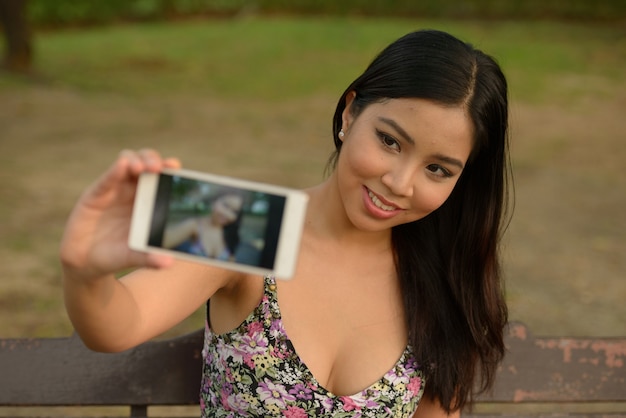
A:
[(439, 171), (388, 141)]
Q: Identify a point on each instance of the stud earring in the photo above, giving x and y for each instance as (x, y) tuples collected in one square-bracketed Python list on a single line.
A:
[(341, 134)]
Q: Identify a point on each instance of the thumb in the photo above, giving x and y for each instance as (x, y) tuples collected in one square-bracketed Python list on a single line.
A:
[(158, 261)]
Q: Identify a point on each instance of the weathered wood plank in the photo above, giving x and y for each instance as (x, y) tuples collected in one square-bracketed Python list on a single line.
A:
[(62, 371), (558, 369)]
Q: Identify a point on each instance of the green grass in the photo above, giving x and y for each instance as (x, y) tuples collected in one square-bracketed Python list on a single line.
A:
[(74, 12), (297, 57), (254, 98)]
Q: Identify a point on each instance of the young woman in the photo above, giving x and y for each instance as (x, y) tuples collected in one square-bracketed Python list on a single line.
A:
[(215, 235), (396, 307)]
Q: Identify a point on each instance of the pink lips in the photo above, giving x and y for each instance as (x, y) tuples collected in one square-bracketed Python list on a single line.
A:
[(376, 211)]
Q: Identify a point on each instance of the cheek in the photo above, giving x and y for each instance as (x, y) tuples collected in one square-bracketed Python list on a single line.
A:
[(430, 198), (361, 161)]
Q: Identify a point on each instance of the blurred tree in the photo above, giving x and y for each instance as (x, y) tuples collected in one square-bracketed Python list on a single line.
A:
[(18, 52)]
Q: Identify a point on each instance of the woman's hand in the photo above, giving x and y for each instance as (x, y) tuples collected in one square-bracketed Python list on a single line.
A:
[(95, 242), (114, 315)]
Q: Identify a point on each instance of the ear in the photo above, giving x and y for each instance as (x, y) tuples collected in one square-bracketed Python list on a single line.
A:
[(346, 115)]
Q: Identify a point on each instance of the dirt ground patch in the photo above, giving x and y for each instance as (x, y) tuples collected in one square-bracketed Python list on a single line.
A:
[(564, 251)]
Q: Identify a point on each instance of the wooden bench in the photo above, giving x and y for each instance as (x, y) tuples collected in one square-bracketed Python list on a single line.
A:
[(553, 371)]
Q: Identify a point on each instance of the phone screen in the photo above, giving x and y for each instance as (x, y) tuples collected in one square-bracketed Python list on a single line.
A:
[(215, 221)]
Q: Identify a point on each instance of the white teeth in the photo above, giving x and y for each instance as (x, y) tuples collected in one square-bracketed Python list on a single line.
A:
[(378, 203)]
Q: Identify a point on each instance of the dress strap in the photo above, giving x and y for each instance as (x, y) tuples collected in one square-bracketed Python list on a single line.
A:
[(270, 298)]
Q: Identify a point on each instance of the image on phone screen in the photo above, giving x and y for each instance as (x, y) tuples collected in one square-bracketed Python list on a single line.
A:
[(215, 221)]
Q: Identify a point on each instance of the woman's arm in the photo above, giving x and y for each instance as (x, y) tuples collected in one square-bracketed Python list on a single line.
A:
[(177, 234), (111, 314)]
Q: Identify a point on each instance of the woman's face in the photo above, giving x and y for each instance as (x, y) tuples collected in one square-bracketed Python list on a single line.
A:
[(226, 209), (400, 160)]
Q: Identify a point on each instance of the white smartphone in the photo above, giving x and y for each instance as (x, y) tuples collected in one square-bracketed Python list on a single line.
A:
[(232, 223)]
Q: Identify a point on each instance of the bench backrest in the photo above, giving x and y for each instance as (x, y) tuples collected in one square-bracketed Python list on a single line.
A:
[(560, 369), (62, 371)]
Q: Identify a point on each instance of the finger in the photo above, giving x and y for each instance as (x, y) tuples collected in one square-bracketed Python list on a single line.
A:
[(133, 161), (151, 260), (173, 163), (159, 261), (142, 160), (151, 159), (110, 178), (148, 159)]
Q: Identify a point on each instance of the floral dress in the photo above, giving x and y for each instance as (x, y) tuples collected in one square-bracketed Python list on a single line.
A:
[(254, 371)]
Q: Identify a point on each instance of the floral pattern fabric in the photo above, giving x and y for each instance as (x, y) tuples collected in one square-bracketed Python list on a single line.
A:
[(254, 371)]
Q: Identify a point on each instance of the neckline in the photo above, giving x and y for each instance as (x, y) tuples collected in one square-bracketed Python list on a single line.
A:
[(272, 308), (272, 294)]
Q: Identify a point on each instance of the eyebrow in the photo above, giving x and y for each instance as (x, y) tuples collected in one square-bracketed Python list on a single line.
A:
[(408, 138), (449, 160)]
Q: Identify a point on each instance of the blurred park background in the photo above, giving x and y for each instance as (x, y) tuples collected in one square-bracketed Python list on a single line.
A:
[(248, 89)]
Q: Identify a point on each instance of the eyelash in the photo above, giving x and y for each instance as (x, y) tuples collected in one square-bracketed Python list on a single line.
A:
[(444, 172), (386, 139)]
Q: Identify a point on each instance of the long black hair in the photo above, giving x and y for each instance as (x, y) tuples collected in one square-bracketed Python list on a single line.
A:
[(448, 262)]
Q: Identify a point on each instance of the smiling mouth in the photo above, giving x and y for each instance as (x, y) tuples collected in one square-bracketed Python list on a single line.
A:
[(379, 204)]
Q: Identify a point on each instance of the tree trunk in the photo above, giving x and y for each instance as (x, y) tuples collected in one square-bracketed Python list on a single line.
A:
[(18, 53)]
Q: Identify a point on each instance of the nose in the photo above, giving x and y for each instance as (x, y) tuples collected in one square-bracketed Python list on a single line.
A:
[(400, 180)]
